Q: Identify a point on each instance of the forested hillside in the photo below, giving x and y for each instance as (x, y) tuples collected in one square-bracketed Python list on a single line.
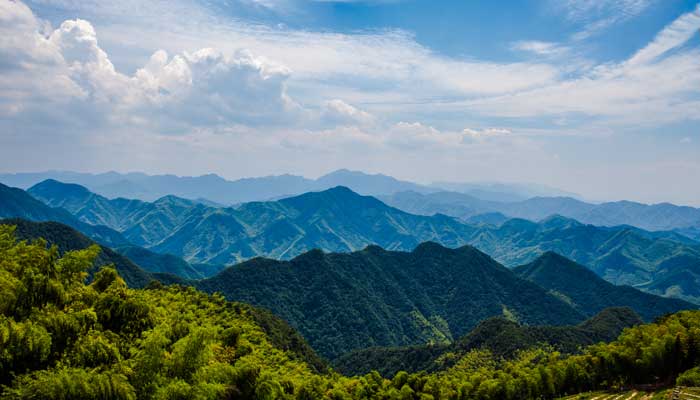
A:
[(64, 339), (504, 338), (589, 294), (341, 302)]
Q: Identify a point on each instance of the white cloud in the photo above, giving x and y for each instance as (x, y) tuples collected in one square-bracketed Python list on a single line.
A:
[(671, 37), (67, 68), (540, 48), (655, 86), (686, 140), (598, 15), (338, 112), (480, 135)]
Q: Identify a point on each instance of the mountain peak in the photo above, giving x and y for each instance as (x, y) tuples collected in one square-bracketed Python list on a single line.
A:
[(430, 247), (53, 186)]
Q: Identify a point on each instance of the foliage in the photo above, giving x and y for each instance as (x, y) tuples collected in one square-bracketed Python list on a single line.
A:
[(61, 338), (590, 294), (341, 302), (503, 338)]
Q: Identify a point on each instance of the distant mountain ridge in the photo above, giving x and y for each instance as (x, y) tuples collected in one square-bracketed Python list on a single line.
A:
[(212, 188), (340, 220), (336, 219), (654, 217), (16, 203)]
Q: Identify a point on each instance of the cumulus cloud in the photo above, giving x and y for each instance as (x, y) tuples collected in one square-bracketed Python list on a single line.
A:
[(44, 69)]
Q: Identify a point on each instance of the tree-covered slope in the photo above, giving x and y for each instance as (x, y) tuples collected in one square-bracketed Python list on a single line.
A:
[(374, 297), (63, 339), (337, 220), (68, 239), (588, 293), (504, 338), (167, 263)]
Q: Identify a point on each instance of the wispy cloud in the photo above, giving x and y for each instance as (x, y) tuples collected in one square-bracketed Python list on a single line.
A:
[(674, 35), (541, 48), (597, 15)]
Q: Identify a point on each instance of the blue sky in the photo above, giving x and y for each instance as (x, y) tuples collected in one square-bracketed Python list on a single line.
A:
[(598, 97)]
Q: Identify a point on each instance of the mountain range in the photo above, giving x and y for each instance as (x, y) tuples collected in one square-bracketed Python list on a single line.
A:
[(654, 217), (461, 200), (212, 189), (338, 219), (333, 220)]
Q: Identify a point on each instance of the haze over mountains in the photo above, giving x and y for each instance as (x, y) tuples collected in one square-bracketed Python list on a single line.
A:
[(664, 216), (461, 200), (219, 190)]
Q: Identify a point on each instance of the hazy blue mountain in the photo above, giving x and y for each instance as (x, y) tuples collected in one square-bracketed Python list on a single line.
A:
[(368, 184), (142, 223), (653, 217), (212, 189), (167, 263), (458, 205), (502, 192), (492, 218), (589, 294), (692, 232), (333, 220), (16, 203), (340, 220), (374, 297), (621, 255)]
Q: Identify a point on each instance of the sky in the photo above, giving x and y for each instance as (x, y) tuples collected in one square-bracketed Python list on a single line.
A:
[(596, 97)]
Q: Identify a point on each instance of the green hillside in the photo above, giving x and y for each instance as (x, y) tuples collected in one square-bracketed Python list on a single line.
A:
[(68, 239), (374, 297), (502, 337), (63, 339), (589, 294)]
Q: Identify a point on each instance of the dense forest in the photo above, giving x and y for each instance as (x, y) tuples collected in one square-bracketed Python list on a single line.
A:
[(504, 338), (64, 338)]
